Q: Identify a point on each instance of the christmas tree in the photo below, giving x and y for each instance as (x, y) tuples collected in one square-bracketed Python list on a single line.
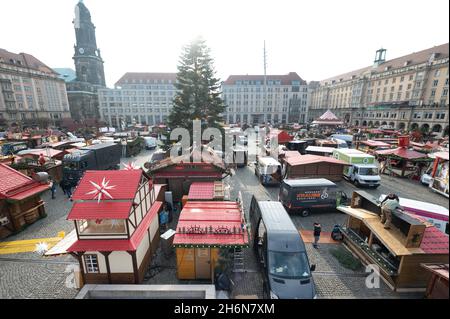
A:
[(198, 96)]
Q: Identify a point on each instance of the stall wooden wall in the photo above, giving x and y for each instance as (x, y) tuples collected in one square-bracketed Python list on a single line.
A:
[(412, 275)]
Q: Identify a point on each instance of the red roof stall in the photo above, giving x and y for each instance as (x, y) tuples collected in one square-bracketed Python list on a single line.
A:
[(208, 191), (401, 160), (304, 166), (178, 173), (203, 229), (283, 136), (116, 217), (20, 202), (328, 119), (371, 146)]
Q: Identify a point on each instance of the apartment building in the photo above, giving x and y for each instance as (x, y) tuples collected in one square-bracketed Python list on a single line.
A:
[(30, 91), (406, 93), (138, 98), (255, 99)]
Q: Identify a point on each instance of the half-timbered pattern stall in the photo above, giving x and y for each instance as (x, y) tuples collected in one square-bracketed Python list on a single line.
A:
[(116, 220)]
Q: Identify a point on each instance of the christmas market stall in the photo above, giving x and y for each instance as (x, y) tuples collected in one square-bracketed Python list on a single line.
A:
[(179, 172), (398, 251), (439, 174), (41, 160), (20, 201), (403, 162), (207, 191), (328, 120), (205, 233), (304, 166), (281, 136), (116, 218), (438, 284), (371, 146)]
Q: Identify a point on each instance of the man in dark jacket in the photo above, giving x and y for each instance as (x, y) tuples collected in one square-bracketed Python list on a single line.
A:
[(317, 231)]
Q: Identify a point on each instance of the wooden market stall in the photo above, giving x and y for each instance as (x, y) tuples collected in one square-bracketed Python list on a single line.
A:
[(204, 228), (308, 166), (206, 191), (371, 146), (402, 161), (116, 218), (398, 251), (282, 136), (438, 285), (328, 119), (439, 174), (20, 201), (180, 172)]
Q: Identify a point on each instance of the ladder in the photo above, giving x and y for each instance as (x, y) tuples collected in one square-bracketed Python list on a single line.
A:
[(238, 260)]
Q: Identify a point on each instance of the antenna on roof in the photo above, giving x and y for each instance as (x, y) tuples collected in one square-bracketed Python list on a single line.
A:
[(265, 78)]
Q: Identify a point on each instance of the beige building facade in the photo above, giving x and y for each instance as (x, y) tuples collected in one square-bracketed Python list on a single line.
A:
[(30, 91), (405, 93)]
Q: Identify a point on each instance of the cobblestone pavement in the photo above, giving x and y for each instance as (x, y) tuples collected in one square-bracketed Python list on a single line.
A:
[(28, 275)]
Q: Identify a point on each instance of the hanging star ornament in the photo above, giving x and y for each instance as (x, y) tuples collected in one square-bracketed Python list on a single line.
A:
[(130, 166), (101, 190)]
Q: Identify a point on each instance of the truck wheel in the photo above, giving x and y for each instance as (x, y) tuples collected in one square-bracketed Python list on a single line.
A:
[(304, 213), (357, 184)]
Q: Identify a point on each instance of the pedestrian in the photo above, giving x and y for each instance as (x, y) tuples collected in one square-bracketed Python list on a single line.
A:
[(69, 189), (164, 218), (63, 187), (317, 231), (388, 205), (41, 159), (52, 187)]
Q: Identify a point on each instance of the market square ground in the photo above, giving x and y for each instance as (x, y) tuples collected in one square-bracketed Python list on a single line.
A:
[(28, 275)]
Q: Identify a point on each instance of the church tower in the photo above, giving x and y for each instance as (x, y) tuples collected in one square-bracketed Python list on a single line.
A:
[(88, 61)]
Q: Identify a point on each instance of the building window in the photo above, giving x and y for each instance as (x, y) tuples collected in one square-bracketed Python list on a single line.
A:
[(435, 82), (444, 92), (91, 263), (437, 73)]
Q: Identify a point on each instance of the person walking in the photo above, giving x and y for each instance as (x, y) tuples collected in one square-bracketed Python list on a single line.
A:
[(52, 187), (388, 205), (317, 231)]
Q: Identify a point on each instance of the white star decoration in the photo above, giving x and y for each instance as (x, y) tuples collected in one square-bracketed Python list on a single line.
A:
[(41, 248), (130, 166), (99, 191)]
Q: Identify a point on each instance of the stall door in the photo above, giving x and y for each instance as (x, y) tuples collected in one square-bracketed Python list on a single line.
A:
[(202, 263)]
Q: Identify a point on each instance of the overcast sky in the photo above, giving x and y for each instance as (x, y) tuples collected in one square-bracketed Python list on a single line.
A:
[(316, 38)]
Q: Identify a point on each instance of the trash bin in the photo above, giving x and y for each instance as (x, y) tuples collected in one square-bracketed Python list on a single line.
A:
[(167, 241)]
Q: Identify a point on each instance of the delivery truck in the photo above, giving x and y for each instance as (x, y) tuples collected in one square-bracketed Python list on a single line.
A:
[(104, 156), (363, 170), (310, 194)]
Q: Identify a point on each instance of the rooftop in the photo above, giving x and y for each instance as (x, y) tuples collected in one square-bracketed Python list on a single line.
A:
[(146, 78), (285, 79), (25, 60)]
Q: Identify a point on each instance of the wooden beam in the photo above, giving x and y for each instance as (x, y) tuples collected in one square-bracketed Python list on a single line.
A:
[(135, 266), (108, 268)]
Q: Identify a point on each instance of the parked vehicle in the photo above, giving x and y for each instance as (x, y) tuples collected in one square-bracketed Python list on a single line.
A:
[(344, 137), (13, 147), (435, 214), (320, 150), (150, 142), (268, 170), (363, 171), (104, 156), (297, 145), (310, 194), (339, 143), (281, 253)]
